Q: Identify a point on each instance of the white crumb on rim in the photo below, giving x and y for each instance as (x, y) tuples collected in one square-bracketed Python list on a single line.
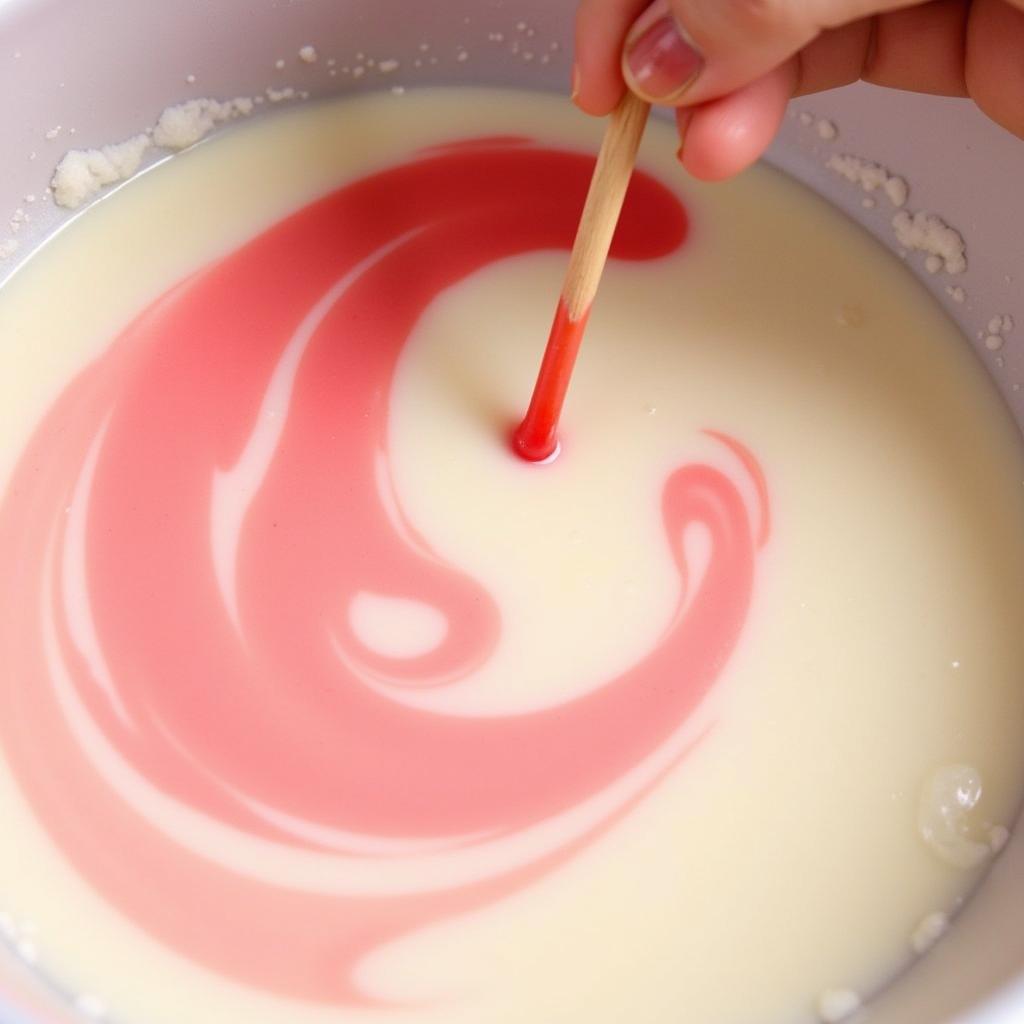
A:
[(998, 837), (837, 1004), (870, 176), (81, 173), (932, 927), (947, 813), (826, 129), (928, 233), (308, 54), (184, 124), (942, 245), (897, 190), (385, 67)]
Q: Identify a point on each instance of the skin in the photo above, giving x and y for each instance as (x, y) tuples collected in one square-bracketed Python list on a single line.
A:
[(758, 54)]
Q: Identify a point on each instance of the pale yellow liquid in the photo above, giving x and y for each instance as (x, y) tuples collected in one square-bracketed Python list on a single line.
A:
[(785, 856)]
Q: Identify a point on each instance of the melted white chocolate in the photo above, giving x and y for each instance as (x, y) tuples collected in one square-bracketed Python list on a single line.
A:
[(794, 852)]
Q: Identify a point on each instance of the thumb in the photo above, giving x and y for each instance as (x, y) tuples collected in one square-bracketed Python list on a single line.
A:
[(689, 51)]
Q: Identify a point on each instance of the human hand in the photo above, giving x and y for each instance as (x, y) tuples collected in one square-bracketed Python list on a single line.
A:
[(730, 66)]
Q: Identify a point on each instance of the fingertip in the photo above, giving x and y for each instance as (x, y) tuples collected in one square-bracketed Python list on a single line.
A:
[(727, 135), (593, 90), (718, 148), (601, 26), (705, 159), (994, 71), (598, 100)]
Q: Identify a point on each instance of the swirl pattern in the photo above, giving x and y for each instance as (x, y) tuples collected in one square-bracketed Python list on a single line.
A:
[(183, 697)]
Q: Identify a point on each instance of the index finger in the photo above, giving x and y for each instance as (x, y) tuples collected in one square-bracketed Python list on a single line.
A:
[(601, 27)]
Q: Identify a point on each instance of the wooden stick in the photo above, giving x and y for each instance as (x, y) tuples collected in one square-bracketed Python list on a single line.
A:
[(536, 439), (604, 203)]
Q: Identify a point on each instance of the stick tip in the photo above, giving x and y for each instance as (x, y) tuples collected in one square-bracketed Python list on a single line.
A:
[(530, 446)]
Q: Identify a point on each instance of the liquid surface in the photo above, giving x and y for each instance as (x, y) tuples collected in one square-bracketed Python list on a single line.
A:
[(332, 707)]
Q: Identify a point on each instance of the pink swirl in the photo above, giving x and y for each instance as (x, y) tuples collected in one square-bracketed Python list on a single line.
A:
[(182, 697)]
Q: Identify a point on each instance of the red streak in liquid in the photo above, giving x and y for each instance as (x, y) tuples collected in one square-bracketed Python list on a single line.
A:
[(116, 632), (536, 438)]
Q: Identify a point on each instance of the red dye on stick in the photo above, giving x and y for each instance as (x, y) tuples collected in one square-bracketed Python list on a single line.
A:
[(536, 438)]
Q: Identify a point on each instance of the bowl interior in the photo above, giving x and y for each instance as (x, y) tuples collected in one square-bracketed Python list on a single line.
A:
[(102, 70)]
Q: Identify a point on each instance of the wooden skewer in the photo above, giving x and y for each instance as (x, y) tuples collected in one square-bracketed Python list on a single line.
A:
[(536, 438), (604, 204)]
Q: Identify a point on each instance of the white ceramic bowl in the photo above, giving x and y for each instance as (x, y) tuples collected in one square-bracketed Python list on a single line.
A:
[(106, 67)]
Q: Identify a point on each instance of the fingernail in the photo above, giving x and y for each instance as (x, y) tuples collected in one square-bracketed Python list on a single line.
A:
[(575, 82), (661, 62)]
